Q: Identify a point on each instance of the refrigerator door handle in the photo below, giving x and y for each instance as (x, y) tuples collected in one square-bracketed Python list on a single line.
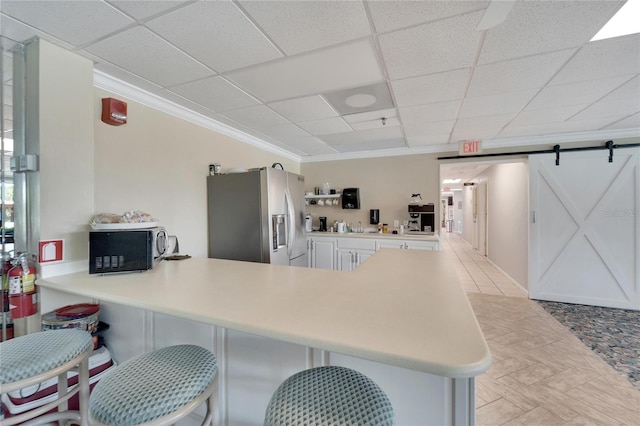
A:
[(291, 222)]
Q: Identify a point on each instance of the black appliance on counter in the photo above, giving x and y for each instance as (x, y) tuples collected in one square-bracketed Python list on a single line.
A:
[(423, 216), (351, 198), (130, 250)]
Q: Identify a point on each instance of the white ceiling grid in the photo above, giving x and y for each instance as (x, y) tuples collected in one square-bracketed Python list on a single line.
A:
[(269, 68)]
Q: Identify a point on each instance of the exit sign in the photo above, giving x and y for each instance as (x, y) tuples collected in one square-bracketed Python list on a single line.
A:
[(469, 147)]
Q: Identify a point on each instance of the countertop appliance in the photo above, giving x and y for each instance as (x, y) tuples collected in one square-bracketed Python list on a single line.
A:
[(423, 216), (126, 250), (257, 216)]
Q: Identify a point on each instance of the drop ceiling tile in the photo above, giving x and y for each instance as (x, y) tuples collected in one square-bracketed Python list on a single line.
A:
[(298, 27), (371, 146), (287, 132), (15, 32), (168, 67), (345, 66), (217, 34), (145, 9), (304, 109), (389, 15), (608, 109), (632, 122), (430, 139), (546, 115), (554, 128), (534, 27), (516, 74), (375, 124), (439, 46), (215, 93), (496, 104), (444, 86), (422, 131), (312, 146), (486, 127), (431, 112), (601, 59), (257, 117), (584, 92), (371, 115), (629, 90), (308, 146), (325, 126), (75, 22), (372, 135), (121, 74)]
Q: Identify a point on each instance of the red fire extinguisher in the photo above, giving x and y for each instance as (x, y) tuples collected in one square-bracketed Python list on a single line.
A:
[(22, 290)]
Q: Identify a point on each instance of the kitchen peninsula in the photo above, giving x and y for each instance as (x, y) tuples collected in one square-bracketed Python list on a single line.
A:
[(401, 318)]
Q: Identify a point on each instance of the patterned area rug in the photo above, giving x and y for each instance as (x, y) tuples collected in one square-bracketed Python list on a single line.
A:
[(614, 334)]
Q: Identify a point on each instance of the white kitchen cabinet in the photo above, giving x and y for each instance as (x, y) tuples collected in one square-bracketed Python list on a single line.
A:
[(345, 253), (353, 251), (322, 253), (384, 244), (421, 245), (407, 244)]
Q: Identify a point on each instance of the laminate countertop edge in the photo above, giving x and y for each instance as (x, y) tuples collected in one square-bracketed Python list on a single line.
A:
[(400, 307)]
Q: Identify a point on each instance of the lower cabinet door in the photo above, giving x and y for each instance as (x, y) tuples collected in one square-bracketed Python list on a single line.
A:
[(346, 260), (362, 255), (323, 254)]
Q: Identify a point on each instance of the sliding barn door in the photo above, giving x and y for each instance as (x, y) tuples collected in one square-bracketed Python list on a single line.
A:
[(584, 237)]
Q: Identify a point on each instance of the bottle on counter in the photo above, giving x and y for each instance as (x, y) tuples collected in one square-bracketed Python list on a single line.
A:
[(385, 228)]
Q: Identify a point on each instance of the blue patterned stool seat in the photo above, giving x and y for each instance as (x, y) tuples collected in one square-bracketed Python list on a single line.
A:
[(31, 359), (157, 387), (329, 396)]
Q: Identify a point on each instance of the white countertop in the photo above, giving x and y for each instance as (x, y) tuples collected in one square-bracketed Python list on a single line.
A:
[(401, 307), (374, 235)]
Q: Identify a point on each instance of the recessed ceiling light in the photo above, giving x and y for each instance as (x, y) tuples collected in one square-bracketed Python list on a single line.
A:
[(360, 100), (451, 180), (623, 23)]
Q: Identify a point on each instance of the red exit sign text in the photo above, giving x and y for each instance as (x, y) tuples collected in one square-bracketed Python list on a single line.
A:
[(469, 147)]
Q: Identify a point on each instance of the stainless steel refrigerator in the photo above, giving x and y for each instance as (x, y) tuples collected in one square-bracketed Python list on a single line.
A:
[(257, 216)]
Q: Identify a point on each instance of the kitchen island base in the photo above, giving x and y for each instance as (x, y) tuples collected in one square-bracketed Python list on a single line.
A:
[(251, 368)]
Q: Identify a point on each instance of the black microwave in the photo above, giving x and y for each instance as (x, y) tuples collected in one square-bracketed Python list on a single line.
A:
[(127, 250)]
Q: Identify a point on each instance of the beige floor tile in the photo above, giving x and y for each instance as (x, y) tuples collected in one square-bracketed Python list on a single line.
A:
[(569, 379), (497, 413), (534, 373), (541, 373), (537, 417)]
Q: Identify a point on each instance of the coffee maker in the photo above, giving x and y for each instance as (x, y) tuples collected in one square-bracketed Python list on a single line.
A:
[(422, 218)]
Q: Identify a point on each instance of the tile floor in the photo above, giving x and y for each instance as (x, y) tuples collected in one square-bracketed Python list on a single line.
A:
[(541, 373)]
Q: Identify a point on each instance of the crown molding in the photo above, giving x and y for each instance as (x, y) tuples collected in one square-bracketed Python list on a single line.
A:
[(117, 86)]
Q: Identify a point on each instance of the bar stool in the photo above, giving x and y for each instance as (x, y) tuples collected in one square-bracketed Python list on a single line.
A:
[(329, 396), (31, 359), (156, 388)]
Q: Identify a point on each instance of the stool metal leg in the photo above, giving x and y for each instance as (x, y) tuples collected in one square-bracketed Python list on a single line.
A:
[(83, 393)]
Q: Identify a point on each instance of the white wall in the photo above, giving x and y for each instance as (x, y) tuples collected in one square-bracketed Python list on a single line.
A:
[(508, 206), (158, 163), (66, 148), (458, 211)]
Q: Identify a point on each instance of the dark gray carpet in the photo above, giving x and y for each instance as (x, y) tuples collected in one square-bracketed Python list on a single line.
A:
[(614, 334)]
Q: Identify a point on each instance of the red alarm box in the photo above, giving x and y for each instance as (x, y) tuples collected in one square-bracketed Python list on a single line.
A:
[(114, 111)]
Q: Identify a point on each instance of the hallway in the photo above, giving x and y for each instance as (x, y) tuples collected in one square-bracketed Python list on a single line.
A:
[(541, 373)]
